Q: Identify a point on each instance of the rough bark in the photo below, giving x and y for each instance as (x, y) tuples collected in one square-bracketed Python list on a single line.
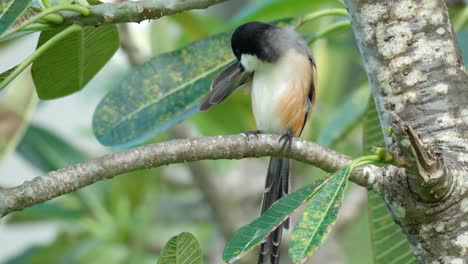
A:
[(68, 179), (420, 88)]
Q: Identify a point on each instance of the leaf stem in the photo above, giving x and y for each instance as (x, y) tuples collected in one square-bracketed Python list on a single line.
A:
[(322, 13), (45, 3), (334, 27), (365, 160), (61, 35), (67, 7), (38, 27), (51, 18)]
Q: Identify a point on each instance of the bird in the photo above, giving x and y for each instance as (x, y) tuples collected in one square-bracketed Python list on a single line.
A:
[(277, 65)]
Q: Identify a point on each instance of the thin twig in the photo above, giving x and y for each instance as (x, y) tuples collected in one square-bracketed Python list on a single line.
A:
[(135, 11)]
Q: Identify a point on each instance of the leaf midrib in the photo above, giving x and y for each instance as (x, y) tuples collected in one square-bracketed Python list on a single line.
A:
[(326, 212), (179, 87), (6, 10), (248, 247)]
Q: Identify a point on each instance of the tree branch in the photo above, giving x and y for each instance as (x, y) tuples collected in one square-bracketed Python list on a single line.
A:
[(65, 180), (419, 84), (135, 11)]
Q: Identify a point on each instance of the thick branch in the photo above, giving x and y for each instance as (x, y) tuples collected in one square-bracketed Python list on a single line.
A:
[(417, 76), (135, 11), (65, 180)]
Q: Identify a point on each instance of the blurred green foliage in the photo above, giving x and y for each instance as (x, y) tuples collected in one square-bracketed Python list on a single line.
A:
[(388, 242), (130, 218), (10, 10)]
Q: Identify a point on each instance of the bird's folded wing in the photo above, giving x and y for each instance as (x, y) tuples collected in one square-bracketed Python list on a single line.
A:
[(224, 84)]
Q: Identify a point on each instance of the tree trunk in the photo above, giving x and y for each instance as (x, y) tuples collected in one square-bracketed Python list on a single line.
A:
[(420, 88)]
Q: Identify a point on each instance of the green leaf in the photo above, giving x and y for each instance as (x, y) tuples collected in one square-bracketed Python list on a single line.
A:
[(389, 245), (16, 107), (47, 151), (191, 24), (247, 237), (71, 62), (273, 9), (29, 15), (161, 92), (316, 222), (47, 211), (57, 72), (463, 44), (181, 249), (5, 74), (9, 11), (373, 135), (23, 19), (51, 253), (349, 114)]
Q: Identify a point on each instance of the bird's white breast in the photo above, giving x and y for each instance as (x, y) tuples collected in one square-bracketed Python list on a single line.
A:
[(270, 82)]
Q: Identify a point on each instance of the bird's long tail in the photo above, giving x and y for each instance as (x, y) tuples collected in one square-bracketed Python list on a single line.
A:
[(276, 186)]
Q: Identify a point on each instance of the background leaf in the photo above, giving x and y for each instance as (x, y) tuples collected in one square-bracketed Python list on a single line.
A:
[(317, 220), (47, 211), (57, 72), (272, 9), (28, 17), (47, 151), (161, 92), (68, 66), (5, 74), (16, 107), (247, 237), (181, 249), (389, 245), (9, 11), (463, 44), (349, 114), (50, 253)]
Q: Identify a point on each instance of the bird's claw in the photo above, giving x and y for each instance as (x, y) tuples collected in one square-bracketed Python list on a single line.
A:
[(252, 133), (287, 138)]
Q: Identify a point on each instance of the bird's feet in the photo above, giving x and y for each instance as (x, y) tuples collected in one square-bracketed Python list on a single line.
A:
[(287, 138), (252, 133)]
